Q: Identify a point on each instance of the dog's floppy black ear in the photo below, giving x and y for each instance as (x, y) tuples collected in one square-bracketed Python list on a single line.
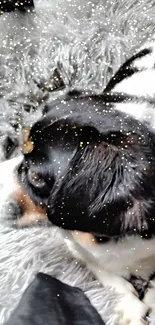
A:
[(98, 180)]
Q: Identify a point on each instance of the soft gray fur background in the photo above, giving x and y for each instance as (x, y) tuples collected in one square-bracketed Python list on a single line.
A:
[(86, 41)]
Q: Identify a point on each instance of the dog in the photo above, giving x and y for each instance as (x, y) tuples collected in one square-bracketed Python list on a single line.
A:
[(88, 167)]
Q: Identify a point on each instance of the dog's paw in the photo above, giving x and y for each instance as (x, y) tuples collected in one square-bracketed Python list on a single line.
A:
[(149, 298), (122, 286), (116, 282), (131, 311)]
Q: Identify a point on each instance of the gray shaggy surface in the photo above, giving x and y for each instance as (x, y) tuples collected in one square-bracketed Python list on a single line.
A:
[(71, 43)]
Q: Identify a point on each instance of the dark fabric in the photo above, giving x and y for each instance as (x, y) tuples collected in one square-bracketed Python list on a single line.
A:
[(48, 301)]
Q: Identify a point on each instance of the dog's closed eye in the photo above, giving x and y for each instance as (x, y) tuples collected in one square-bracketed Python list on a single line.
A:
[(35, 179)]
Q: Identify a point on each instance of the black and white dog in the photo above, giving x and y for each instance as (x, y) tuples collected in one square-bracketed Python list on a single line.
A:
[(89, 166)]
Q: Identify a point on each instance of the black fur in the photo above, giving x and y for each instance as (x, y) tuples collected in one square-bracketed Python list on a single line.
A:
[(96, 168), (11, 5)]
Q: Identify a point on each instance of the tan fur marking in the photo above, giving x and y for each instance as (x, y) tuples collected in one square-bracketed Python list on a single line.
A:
[(31, 213), (84, 237), (28, 147), (28, 144), (30, 219), (26, 134)]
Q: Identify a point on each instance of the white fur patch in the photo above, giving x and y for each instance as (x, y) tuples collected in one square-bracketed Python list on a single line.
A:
[(131, 310), (139, 84), (147, 61), (141, 111), (131, 255), (7, 180), (108, 261)]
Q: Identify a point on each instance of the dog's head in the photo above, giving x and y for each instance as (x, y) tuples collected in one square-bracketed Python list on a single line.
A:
[(91, 167)]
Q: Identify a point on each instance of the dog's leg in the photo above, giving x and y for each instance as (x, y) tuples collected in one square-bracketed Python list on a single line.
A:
[(129, 308), (149, 298)]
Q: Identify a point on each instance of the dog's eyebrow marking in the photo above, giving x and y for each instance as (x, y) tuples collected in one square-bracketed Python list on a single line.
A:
[(28, 145), (26, 134)]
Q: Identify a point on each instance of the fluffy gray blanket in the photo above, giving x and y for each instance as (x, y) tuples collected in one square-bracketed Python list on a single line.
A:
[(71, 43)]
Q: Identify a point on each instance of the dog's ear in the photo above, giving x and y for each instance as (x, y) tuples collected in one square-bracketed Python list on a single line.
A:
[(95, 188)]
